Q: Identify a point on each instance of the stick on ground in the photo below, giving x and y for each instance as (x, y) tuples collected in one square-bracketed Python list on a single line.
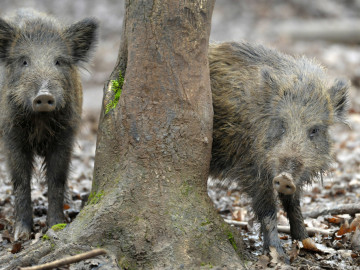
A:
[(351, 209), (68, 260), (285, 229)]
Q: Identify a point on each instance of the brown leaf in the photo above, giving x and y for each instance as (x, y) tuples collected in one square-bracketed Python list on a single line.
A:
[(284, 237), (16, 247), (66, 206), (6, 236), (309, 244), (237, 215), (343, 229), (263, 261), (334, 220), (355, 224), (274, 255)]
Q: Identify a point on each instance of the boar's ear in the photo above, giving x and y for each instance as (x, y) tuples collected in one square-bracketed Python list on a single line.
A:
[(7, 35), (82, 37), (339, 98)]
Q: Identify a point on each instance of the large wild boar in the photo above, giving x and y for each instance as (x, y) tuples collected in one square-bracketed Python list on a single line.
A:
[(41, 100), (272, 114)]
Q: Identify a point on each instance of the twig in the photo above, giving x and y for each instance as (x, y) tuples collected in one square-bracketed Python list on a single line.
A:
[(285, 229), (68, 260), (351, 209)]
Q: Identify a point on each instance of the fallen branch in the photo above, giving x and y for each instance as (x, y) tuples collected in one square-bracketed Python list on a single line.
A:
[(350, 209), (68, 260), (285, 229)]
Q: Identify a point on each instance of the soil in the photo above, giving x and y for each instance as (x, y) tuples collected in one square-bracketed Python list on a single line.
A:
[(255, 21)]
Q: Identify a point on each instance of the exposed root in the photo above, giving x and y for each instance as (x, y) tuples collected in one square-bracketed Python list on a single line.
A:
[(28, 256), (49, 254)]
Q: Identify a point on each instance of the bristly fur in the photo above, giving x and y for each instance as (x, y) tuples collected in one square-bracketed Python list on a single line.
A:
[(41, 57), (272, 113)]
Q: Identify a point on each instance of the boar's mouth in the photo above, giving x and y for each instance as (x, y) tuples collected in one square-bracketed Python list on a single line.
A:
[(284, 183)]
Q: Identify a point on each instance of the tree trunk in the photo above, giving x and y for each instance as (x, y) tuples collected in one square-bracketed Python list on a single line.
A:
[(149, 205)]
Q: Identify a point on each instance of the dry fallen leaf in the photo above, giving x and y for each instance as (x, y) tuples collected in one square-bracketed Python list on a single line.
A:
[(263, 261), (274, 255), (355, 224), (334, 220), (16, 247), (309, 244), (6, 236), (237, 215), (343, 229)]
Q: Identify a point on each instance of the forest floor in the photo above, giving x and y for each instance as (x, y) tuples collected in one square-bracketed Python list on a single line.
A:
[(335, 200)]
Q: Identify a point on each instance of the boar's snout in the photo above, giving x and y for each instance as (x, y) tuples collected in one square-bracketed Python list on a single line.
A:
[(44, 102), (283, 183)]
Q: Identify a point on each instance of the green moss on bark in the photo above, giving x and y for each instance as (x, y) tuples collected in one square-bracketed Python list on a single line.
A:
[(116, 87)]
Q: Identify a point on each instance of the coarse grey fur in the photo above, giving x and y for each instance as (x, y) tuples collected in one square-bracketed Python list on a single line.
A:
[(40, 103), (272, 114)]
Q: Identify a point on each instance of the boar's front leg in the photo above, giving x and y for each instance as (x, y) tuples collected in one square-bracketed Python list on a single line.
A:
[(57, 163), (291, 204), (20, 164), (264, 205)]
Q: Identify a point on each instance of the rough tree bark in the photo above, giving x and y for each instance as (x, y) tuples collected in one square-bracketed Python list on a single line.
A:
[(149, 205)]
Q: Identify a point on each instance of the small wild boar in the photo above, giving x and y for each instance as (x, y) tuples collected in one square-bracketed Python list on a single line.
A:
[(272, 114), (41, 100)]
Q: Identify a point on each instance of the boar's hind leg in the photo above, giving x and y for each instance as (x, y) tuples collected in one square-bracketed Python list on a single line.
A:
[(20, 168), (265, 209), (291, 204), (57, 168)]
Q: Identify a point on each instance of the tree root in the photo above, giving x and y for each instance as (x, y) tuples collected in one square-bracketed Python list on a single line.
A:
[(45, 251), (285, 229), (29, 256)]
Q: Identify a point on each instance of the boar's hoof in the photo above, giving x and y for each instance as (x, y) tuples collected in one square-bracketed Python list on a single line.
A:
[(44, 102), (22, 232), (284, 184)]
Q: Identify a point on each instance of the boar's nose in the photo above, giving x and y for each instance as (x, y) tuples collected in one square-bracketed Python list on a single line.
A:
[(44, 102), (284, 183)]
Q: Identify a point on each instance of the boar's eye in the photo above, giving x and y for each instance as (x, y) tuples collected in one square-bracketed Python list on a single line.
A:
[(57, 63), (313, 132), (25, 63)]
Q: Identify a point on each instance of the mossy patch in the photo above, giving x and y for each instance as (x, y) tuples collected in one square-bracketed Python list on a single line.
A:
[(95, 197), (116, 87), (58, 227), (125, 263), (206, 266), (231, 239), (186, 188), (207, 222), (45, 237)]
